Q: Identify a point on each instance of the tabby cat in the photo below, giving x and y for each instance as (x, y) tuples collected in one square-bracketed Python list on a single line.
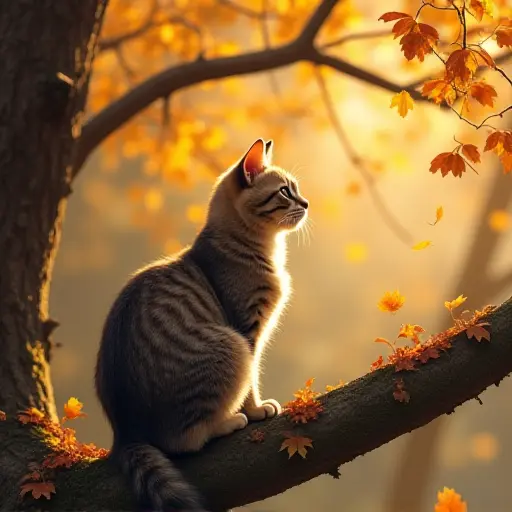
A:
[(178, 362)]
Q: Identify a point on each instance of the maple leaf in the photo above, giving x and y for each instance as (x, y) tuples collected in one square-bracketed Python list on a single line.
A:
[(391, 301), (448, 162), (439, 215), (38, 489), (460, 65), (404, 363), (296, 444), (504, 33), (403, 102), (3, 416), (506, 161), (392, 16), (257, 436), (401, 27), (419, 41), (470, 151), (400, 394), (499, 141), (305, 407), (479, 332), (480, 7), (449, 501), (439, 90), (483, 93), (379, 363), (455, 303), (57, 461), (411, 331), (422, 245), (31, 415), (73, 409), (428, 353)]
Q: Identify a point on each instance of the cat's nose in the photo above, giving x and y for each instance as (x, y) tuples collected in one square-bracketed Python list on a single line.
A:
[(304, 203)]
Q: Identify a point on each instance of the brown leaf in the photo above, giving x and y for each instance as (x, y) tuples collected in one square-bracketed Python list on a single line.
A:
[(470, 151), (448, 162), (296, 444), (38, 489), (479, 332)]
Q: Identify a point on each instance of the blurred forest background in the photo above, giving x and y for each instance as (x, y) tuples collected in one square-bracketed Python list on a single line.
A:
[(144, 194)]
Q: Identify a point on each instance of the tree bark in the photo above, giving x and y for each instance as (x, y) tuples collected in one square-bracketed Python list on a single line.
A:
[(358, 418), (46, 51)]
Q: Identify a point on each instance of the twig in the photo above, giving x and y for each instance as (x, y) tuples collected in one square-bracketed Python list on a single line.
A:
[(357, 37), (390, 220)]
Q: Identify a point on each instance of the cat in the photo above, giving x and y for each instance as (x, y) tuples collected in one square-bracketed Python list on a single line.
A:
[(178, 362)]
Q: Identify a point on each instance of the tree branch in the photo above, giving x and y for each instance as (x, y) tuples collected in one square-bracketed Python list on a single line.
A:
[(358, 418)]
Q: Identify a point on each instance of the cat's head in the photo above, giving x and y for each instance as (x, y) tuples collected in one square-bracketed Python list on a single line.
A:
[(267, 196)]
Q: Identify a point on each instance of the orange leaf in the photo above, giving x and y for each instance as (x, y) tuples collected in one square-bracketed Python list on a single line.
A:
[(403, 102), (329, 388), (3, 416), (31, 415), (461, 65), (73, 409), (377, 364), (296, 444), (400, 394), (479, 332), (471, 152), (455, 303), (391, 301), (506, 161), (439, 90), (449, 501), (38, 489), (483, 93), (428, 353), (448, 162), (411, 331), (439, 215), (418, 41), (499, 141), (504, 36), (422, 245), (392, 16)]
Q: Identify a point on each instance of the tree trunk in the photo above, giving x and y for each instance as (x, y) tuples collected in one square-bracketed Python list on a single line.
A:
[(46, 51)]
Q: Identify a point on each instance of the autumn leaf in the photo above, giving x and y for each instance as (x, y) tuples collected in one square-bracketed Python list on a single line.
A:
[(419, 41), (461, 65), (422, 245), (403, 102), (400, 394), (504, 34), (391, 301), (470, 151), (31, 415), (439, 90), (385, 341), (3, 416), (329, 388), (479, 332), (392, 16), (411, 331), (506, 161), (58, 461), (377, 364), (448, 162), (38, 489), (439, 215), (449, 501), (73, 409), (305, 407), (401, 27), (428, 353), (296, 444), (484, 93), (499, 141), (455, 303), (481, 7)]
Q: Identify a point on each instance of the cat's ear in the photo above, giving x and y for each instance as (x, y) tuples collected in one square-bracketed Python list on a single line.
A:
[(253, 163)]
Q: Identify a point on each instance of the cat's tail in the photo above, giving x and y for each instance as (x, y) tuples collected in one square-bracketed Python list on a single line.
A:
[(156, 481)]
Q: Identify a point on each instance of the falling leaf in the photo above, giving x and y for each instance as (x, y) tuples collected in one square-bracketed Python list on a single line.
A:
[(3, 416), (439, 215), (73, 409), (449, 501), (479, 332), (296, 444), (38, 489), (500, 221), (439, 90), (391, 301), (403, 102), (470, 151), (455, 303), (422, 245), (448, 162), (484, 93), (400, 394)]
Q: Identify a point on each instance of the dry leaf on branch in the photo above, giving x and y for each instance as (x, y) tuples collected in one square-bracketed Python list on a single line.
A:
[(296, 444)]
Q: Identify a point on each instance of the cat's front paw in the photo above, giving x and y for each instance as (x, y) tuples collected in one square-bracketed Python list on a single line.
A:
[(267, 409)]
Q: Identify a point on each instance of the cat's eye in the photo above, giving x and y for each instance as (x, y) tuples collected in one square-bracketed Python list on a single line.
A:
[(286, 192)]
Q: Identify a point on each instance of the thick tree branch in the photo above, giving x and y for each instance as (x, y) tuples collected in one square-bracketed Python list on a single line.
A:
[(358, 418), (193, 73)]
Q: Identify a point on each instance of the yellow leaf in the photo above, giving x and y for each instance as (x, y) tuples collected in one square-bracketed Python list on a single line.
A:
[(439, 215), (403, 102), (422, 245), (73, 409), (296, 444), (455, 303), (449, 501)]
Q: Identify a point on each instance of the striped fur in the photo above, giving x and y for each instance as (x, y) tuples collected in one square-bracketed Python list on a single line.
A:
[(178, 362)]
